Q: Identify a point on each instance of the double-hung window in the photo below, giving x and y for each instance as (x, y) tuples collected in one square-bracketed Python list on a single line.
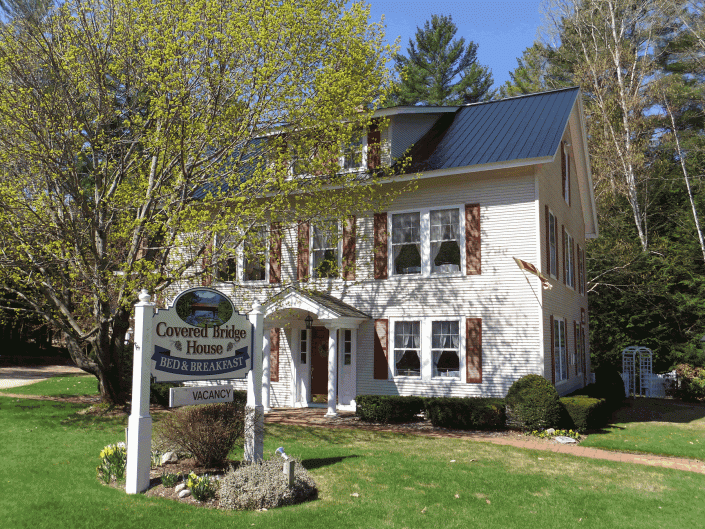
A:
[(353, 155), (552, 241), (324, 250), (445, 348), (254, 255), (559, 350), (407, 348), (406, 243), (426, 242), (569, 264)]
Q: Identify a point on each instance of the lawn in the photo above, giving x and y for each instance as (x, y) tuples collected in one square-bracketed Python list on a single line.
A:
[(62, 386), (49, 453), (656, 426)]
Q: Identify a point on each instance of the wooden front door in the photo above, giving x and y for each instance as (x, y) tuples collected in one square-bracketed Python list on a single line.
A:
[(319, 362)]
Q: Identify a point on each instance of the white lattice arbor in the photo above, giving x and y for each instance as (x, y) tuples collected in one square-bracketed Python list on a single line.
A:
[(637, 368)]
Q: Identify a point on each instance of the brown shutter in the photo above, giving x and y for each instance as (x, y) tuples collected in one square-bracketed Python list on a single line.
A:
[(473, 350), (565, 268), (275, 253), (380, 242), (563, 171), (576, 336), (349, 234), (579, 286), (548, 241), (207, 277), (381, 350), (553, 353), (472, 239), (374, 138), (302, 254), (274, 355)]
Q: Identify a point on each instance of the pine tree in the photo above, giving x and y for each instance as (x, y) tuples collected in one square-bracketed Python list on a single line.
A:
[(441, 70)]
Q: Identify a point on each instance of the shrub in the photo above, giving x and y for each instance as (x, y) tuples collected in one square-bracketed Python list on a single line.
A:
[(263, 485), (608, 385), (386, 409), (691, 383), (585, 413), (532, 403), (207, 431), (466, 413)]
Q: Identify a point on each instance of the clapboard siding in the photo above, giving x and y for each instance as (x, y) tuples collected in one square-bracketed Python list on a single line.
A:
[(562, 301)]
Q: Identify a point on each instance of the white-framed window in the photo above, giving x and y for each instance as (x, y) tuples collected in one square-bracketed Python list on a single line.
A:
[(426, 242), (428, 348), (445, 348), (254, 255), (553, 244), (347, 347), (407, 348), (354, 156), (303, 346), (560, 349), (569, 261), (227, 266), (325, 250)]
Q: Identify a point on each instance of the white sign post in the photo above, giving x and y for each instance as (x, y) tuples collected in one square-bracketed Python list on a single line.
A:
[(200, 337), (139, 433)]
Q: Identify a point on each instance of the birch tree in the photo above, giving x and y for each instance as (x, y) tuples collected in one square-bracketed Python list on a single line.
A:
[(608, 45), (134, 132)]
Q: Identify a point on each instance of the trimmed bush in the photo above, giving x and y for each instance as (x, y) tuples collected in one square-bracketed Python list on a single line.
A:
[(387, 409), (263, 485), (466, 413), (532, 403), (585, 413), (207, 431)]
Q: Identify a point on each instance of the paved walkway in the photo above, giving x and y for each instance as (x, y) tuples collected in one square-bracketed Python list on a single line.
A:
[(13, 376), (316, 417)]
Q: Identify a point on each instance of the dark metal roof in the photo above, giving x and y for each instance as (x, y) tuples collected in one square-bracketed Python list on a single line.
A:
[(517, 128)]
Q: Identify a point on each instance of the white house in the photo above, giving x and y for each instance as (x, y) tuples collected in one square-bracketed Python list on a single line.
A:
[(430, 300)]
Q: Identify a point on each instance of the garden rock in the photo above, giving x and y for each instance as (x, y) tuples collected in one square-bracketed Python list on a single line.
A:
[(551, 431), (169, 457), (185, 493), (179, 487), (565, 440)]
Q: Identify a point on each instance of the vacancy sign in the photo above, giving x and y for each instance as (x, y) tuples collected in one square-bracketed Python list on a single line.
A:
[(201, 337), (200, 395)]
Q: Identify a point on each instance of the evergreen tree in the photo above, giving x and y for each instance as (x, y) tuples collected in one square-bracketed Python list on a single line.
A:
[(441, 70)]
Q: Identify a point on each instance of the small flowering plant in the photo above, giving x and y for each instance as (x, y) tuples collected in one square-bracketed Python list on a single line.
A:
[(202, 487), (545, 434), (113, 461)]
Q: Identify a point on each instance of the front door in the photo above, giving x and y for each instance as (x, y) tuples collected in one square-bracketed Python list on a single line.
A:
[(319, 364)]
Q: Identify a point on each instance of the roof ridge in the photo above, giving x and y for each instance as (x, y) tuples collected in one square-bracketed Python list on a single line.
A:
[(520, 96)]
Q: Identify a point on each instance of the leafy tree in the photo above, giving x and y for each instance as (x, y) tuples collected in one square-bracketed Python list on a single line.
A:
[(441, 70), (132, 137)]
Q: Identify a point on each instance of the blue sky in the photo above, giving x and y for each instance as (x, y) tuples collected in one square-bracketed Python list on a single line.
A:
[(501, 28)]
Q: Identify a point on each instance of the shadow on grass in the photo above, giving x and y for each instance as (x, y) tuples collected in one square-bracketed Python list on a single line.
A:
[(311, 464), (643, 409)]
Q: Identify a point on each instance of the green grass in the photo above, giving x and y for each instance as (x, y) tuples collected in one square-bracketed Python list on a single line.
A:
[(62, 386), (49, 452), (655, 426)]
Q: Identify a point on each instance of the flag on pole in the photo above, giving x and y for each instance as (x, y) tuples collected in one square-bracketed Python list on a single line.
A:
[(523, 265)]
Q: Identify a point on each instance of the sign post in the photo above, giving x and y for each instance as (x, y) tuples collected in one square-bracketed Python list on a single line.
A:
[(254, 411), (139, 433), (199, 337)]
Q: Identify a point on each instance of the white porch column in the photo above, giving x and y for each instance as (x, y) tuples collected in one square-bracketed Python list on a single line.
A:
[(332, 370), (266, 372), (254, 413)]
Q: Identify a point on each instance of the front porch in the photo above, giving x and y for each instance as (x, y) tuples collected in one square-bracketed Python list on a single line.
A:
[(321, 335)]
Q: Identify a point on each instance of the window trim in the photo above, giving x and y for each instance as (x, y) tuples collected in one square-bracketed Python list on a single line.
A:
[(426, 349), (566, 185), (425, 241), (559, 359), (339, 252), (552, 247), (569, 264)]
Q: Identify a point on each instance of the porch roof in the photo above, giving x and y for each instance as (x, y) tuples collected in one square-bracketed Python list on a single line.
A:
[(322, 306)]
